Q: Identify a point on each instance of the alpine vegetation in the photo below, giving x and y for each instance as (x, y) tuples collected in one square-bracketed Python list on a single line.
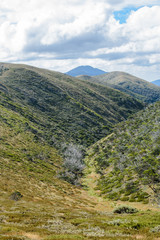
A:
[(128, 160), (73, 163)]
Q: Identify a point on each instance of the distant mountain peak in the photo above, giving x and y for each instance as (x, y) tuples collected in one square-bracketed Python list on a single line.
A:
[(156, 82), (85, 70)]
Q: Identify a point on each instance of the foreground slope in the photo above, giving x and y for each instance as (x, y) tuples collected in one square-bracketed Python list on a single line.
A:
[(128, 160), (129, 84), (64, 108), (36, 204)]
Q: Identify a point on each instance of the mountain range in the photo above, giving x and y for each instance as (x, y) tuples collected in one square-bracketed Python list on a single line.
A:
[(72, 151)]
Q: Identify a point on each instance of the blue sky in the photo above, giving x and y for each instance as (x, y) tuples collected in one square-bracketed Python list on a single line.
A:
[(123, 14), (112, 35)]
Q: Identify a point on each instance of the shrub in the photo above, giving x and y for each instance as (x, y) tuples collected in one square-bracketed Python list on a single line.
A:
[(125, 198), (16, 196), (73, 163), (155, 229), (114, 196), (125, 209), (73, 155)]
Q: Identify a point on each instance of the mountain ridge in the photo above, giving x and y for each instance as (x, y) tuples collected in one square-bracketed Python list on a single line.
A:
[(70, 109), (129, 84)]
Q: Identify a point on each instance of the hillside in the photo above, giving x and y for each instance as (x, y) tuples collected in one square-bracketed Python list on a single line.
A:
[(156, 82), (63, 108), (35, 202), (128, 160), (36, 205), (85, 70), (131, 85)]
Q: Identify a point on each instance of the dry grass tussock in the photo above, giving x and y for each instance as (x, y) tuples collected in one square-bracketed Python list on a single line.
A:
[(62, 211)]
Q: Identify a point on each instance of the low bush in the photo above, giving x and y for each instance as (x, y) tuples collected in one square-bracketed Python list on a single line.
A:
[(125, 198), (155, 229), (16, 196), (125, 209)]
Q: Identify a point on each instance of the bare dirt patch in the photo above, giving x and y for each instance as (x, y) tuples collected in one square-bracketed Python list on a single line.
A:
[(32, 236)]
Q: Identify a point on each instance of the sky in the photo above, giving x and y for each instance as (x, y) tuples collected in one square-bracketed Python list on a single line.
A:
[(113, 35)]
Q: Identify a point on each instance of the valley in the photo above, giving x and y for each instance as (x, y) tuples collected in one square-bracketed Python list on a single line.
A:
[(73, 151)]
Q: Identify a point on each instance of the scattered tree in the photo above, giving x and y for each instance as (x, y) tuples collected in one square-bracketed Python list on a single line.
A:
[(73, 163)]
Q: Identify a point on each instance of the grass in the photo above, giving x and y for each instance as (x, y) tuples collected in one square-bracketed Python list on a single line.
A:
[(52, 219), (33, 119), (52, 209)]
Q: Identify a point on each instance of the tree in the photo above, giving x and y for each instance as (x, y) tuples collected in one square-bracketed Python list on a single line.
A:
[(73, 163)]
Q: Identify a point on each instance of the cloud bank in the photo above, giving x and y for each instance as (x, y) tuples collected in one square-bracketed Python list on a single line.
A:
[(62, 34)]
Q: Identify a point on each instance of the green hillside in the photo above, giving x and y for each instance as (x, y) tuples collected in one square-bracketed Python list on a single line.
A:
[(36, 205), (39, 110), (23, 151), (129, 84), (128, 160), (62, 107), (34, 202)]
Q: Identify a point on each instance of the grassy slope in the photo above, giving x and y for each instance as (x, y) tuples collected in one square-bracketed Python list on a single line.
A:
[(50, 208), (131, 85), (128, 160), (64, 108), (22, 151)]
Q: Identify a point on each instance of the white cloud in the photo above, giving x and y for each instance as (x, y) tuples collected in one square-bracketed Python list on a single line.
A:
[(119, 4), (46, 22), (78, 21), (135, 42), (80, 32)]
